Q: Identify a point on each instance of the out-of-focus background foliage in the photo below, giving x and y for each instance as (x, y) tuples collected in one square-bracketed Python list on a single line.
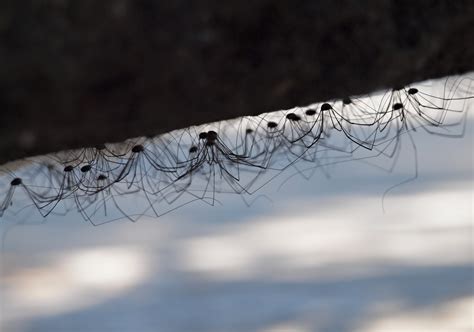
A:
[(77, 73)]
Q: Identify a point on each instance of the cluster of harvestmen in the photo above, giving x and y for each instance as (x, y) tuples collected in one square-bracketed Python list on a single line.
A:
[(140, 176)]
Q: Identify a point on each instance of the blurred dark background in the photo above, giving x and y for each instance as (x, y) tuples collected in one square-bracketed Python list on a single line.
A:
[(80, 72)]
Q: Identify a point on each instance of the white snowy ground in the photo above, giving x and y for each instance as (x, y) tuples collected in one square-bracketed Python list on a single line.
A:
[(321, 256)]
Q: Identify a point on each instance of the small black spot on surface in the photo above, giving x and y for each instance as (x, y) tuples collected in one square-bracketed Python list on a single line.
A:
[(138, 148), (310, 112), (293, 117), (347, 101), (202, 135), (397, 106), (211, 135), (16, 182), (85, 168), (272, 124), (193, 149), (326, 107), (101, 177), (412, 91), (68, 168)]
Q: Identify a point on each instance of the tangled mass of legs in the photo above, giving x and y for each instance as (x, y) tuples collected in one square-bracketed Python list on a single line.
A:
[(154, 175)]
